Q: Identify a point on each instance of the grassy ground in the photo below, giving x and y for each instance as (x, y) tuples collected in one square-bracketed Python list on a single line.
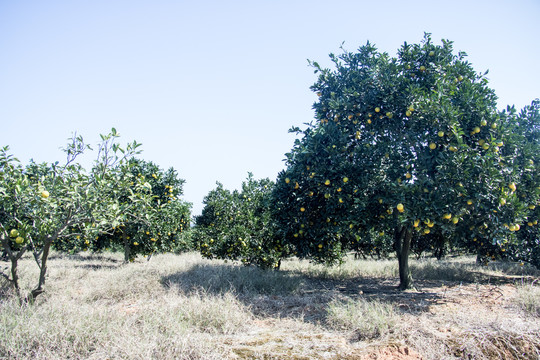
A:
[(185, 307)]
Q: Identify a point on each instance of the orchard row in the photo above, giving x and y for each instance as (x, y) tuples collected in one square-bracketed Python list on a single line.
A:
[(407, 154), (122, 203)]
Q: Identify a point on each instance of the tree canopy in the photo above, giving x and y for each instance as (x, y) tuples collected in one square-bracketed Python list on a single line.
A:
[(407, 151)]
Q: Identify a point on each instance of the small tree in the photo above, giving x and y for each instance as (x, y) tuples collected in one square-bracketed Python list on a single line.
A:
[(237, 225), (410, 147), (143, 228)]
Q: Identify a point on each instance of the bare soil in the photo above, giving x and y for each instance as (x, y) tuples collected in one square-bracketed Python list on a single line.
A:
[(439, 320)]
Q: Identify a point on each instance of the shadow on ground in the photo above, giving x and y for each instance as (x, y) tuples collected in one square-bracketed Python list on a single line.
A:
[(85, 257), (290, 294)]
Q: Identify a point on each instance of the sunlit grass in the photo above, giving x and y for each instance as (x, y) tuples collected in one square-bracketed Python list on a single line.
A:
[(104, 309), (367, 319), (184, 306), (349, 269), (528, 298)]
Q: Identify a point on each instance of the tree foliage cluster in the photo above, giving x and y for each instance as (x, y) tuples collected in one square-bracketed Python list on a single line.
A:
[(122, 201), (237, 225)]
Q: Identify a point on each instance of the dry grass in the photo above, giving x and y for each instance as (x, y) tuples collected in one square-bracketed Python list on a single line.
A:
[(97, 309), (465, 269), (365, 319), (528, 298), (349, 269), (185, 307)]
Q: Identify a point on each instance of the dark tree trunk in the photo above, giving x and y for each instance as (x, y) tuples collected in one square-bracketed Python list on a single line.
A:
[(439, 247), (15, 277), (13, 257), (43, 271), (403, 238), (127, 253)]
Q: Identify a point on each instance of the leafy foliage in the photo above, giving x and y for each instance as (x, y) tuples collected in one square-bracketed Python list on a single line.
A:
[(405, 151), (237, 225), (42, 205), (155, 227)]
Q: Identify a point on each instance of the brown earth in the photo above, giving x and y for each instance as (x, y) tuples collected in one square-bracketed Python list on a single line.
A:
[(439, 320)]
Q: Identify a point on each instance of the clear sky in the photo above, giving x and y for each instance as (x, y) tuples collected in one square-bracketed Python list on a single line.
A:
[(211, 87)]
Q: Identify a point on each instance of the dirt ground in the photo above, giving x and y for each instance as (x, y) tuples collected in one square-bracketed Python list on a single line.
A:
[(439, 320)]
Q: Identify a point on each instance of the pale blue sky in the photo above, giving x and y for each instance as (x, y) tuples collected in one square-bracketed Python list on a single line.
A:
[(211, 87)]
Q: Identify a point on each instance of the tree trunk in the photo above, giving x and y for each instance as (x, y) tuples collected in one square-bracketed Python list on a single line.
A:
[(43, 271), (127, 253), (439, 247), (15, 276), (403, 238), (14, 259)]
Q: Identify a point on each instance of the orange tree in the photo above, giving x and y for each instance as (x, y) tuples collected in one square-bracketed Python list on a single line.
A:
[(237, 225), (141, 228), (524, 155), (405, 151), (164, 228), (496, 223), (40, 204)]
